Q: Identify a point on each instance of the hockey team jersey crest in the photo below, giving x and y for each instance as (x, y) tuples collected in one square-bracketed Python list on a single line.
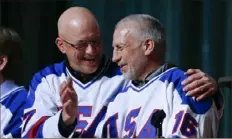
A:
[(129, 114)]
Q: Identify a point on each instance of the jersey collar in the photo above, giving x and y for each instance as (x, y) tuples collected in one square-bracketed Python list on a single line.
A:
[(7, 87), (163, 68), (90, 77)]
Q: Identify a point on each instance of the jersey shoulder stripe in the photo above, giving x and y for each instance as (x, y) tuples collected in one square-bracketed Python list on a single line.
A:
[(176, 76), (15, 99), (14, 104), (56, 69)]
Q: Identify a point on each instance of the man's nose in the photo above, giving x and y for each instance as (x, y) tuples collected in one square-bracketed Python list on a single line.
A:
[(115, 57), (90, 49)]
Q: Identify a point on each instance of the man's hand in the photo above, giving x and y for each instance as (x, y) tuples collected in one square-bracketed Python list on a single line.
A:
[(199, 84), (69, 101)]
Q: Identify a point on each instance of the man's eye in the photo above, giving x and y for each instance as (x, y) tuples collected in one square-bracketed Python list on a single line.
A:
[(82, 44), (118, 48), (95, 42)]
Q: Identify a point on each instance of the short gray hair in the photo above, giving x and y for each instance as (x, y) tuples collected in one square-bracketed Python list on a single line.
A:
[(148, 27)]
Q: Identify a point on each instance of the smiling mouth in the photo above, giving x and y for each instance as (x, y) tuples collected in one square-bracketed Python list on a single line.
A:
[(122, 68), (91, 61)]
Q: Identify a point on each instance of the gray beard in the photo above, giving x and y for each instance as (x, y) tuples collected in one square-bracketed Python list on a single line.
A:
[(130, 75)]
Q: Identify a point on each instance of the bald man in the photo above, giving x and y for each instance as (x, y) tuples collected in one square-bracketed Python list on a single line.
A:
[(68, 99)]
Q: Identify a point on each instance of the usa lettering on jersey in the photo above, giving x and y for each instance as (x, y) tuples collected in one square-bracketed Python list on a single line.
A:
[(44, 106), (129, 114)]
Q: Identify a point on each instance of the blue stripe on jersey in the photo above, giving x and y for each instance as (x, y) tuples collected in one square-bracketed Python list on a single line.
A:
[(40, 131), (89, 133), (15, 103), (56, 69), (174, 136), (37, 133), (176, 76), (26, 136), (37, 130)]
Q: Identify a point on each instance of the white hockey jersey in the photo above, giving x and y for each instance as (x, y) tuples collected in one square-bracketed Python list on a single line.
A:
[(129, 113), (13, 98), (44, 105)]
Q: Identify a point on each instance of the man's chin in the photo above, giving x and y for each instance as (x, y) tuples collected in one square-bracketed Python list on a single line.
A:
[(128, 76), (90, 70)]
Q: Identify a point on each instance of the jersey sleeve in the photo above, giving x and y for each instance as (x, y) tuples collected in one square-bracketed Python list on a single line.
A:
[(41, 114), (12, 119), (190, 118)]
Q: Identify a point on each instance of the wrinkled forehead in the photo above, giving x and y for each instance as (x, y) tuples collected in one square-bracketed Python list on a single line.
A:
[(83, 33), (121, 35)]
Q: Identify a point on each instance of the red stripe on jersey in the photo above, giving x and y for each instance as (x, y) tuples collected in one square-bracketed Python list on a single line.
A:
[(35, 128)]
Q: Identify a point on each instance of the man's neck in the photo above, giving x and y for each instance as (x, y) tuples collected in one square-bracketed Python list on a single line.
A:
[(84, 78), (156, 71), (150, 68)]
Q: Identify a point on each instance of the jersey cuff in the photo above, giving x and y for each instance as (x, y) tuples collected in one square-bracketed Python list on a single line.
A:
[(66, 130)]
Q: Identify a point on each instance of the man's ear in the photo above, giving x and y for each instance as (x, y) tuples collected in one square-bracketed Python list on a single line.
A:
[(60, 45), (149, 46), (3, 62)]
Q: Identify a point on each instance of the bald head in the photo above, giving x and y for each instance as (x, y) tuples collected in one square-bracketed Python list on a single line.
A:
[(77, 19), (78, 28)]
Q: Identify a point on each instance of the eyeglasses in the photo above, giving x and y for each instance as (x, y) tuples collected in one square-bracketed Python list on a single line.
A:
[(82, 45)]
